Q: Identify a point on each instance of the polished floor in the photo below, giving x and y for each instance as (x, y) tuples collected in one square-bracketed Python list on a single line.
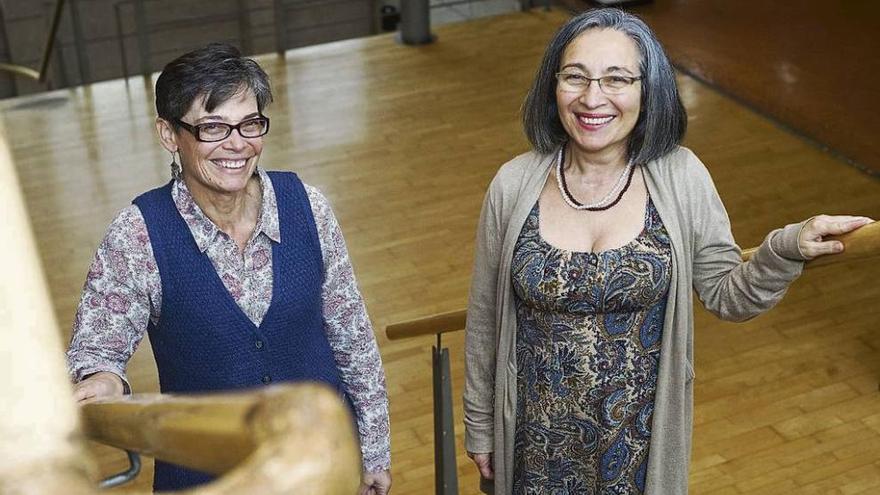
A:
[(404, 141)]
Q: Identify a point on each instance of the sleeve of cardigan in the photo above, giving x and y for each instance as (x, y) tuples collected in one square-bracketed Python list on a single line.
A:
[(728, 287), (481, 331)]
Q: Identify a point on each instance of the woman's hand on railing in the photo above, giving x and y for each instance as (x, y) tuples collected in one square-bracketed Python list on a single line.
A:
[(101, 385), (485, 463), (819, 236), (375, 483), (811, 240)]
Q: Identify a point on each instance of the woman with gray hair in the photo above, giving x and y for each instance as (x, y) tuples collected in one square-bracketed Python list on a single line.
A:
[(579, 337), (240, 276)]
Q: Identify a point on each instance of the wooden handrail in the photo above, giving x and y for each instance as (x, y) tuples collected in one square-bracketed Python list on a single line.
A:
[(211, 434), (429, 325), (271, 440), (859, 244), (862, 243)]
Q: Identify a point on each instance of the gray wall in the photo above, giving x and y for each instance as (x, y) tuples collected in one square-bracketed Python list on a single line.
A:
[(93, 46)]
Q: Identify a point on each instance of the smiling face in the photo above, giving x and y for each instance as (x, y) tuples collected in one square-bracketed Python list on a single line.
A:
[(599, 124), (222, 167)]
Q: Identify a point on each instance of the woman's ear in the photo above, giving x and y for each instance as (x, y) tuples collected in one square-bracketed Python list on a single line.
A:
[(167, 136)]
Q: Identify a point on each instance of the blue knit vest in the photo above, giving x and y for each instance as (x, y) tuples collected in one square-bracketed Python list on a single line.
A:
[(205, 342)]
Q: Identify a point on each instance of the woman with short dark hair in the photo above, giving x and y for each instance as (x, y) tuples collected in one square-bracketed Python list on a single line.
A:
[(240, 276), (579, 337)]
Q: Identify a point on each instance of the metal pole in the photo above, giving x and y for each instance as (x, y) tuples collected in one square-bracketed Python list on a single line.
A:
[(415, 22), (244, 27), (5, 39), (140, 15), (59, 71), (280, 27), (119, 36), (50, 41), (445, 474), (134, 468), (82, 58)]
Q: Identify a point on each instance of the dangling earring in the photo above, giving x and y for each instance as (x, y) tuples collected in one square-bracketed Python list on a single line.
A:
[(175, 167)]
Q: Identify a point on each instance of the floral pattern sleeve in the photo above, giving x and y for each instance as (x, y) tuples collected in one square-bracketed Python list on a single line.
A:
[(351, 337), (115, 306)]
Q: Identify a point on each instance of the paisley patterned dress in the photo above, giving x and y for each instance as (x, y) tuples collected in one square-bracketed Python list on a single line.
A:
[(589, 327)]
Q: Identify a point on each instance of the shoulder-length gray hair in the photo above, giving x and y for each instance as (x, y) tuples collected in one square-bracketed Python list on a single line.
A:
[(662, 120)]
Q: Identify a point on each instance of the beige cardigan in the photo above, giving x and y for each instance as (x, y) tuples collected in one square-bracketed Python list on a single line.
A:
[(705, 258)]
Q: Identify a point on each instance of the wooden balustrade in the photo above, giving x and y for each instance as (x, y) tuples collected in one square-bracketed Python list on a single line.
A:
[(860, 244), (271, 440)]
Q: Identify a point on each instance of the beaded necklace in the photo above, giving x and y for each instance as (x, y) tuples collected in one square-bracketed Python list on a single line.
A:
[(616, 192)]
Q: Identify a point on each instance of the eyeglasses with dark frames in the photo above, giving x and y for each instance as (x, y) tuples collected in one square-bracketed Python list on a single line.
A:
[(211, 132), (575, 82)]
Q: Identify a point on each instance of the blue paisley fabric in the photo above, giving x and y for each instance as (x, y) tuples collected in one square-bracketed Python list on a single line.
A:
[(588, 349)]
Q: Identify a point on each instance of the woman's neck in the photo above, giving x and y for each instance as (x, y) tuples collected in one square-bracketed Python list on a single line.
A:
[(231, 212), (596, 168)]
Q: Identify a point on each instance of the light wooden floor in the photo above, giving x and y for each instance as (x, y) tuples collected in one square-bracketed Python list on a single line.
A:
[(404, 141)]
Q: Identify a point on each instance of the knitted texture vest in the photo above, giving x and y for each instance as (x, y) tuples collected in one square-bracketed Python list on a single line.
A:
[(205, 342)]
